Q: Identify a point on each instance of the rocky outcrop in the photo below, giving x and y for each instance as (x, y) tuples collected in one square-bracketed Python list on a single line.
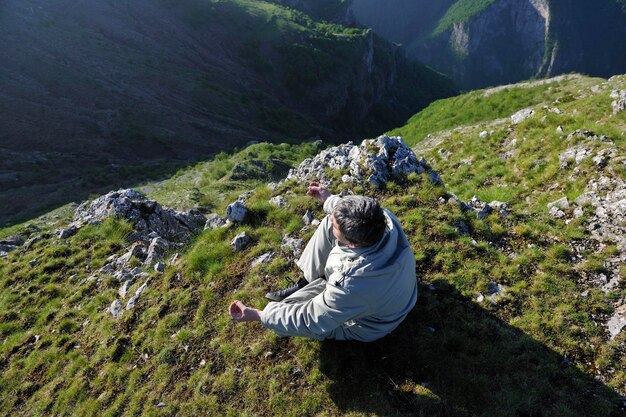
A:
[(146, 215), (375, 161)]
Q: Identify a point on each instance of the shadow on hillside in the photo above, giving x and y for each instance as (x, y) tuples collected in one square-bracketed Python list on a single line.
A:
[(450, 357)]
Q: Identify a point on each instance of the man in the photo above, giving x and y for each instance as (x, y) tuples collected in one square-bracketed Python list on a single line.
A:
[(359, 276)]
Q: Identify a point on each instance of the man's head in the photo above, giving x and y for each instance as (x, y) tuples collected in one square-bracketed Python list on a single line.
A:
[(360, 220)]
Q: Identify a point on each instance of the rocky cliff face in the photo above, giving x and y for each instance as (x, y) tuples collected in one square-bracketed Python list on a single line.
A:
[(508, 40)]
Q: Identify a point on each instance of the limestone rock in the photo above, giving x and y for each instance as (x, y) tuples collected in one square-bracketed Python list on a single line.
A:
[(619, 104), (375, 161), (214, 221), (236, 212), (116, 308), (521, 115), (146, 215), (561, 203), (308, 217), (292, 245), (123, 290), (240, 241), (278, 201), (157, 250), (617, 322), (263, 259)]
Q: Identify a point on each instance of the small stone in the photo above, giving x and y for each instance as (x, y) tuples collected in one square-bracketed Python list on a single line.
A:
[(308, 217), (480, 298), (236, 212), (561, 203), (175, 259), (161, 405), (292, 245), (240, 241), (585, 294), (559, 129), (578, 212), (315, 222), (522, 115), (484, 134), (556, 213), (159, 267), (132, 302), (263, 259), (65, 233), (124, 288), (116, 308), (268, 355), (278, 201), (214, 221)]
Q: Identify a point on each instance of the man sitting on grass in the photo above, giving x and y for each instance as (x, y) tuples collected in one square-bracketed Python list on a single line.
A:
[(359, 276)]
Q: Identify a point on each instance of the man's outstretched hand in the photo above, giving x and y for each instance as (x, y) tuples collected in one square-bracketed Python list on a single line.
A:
[(239, 312), (318, 191)]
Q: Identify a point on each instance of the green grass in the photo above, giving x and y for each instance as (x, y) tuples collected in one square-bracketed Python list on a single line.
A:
[(536, 350), (468, 109)]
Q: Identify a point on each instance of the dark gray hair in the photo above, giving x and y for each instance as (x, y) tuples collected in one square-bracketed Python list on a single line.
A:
[(360, 219)]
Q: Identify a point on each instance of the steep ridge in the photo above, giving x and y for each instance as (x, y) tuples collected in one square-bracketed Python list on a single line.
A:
[(515, 214), (94, 93)]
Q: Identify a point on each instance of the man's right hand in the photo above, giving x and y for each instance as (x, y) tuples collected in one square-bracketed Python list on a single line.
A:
[(318, 191)]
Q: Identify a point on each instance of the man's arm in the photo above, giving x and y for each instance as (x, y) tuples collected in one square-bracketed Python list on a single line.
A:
[(316, 318)]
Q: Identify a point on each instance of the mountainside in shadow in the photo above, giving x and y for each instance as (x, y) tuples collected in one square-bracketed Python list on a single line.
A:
[(491, 42), (96, 92)]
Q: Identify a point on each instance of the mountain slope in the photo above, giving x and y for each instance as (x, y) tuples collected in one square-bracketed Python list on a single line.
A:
[(134, 87), (518, 307)]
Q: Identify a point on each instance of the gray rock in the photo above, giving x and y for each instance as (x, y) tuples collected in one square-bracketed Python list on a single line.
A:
[(556, 213), (619, 104), (132, 302), (236, 212), (70, 230), (578, 212), (617, 322), (559, 129), (159, 267), (123, 275), (146, 215), (484, 134), (375, 161), (7, 248), (137, 251), (292, 245), (12, 241), (521, 115), (278, 201), (484, 212), (263, 259), (142, 288), (214, 221), (240, 241), (116, 308), (123, 290), (3, 254), (308, 217), (157, 250), (462, 228), (561, 203)]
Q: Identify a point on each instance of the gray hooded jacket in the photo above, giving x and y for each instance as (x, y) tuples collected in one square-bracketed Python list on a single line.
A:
[(367, 293)]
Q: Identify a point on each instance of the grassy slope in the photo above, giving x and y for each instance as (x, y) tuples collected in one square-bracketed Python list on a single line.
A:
[(452, 356)]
